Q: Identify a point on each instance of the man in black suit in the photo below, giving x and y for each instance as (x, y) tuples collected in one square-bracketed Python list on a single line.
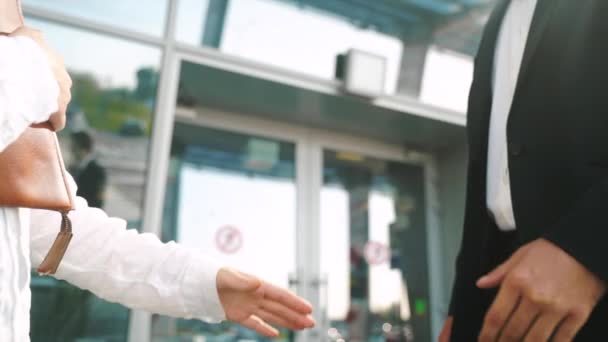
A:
[(88, 174), (533, 263)]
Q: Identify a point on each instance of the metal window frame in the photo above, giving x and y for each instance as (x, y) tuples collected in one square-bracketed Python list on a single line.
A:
[(237, 64), (93, 26), (173, 53)]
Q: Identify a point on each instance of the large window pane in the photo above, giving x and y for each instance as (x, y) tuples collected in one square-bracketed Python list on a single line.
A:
[(143, 16), (373, 249), (288, 36), (192, 15), (233, 197), (106, 148), (429, 49)]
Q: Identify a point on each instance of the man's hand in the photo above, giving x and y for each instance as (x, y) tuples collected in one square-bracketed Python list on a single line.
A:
[(544, 294), (446, 331), (256, 304), (58, 119)]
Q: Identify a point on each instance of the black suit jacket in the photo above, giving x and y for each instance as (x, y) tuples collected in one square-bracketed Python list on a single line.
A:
[(91, 183), (557, 138)]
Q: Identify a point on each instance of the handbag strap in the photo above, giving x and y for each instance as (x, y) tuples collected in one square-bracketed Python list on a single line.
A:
[(53, 258)]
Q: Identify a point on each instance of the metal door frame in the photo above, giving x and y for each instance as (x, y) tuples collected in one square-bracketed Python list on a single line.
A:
[(310, 143)]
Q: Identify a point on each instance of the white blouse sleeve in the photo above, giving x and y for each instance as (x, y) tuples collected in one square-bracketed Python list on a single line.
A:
[(133, 269), (28, 89)]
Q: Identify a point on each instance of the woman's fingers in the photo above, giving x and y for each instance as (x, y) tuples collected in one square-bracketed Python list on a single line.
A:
[(278, 309), (278, 321), (287, 298), (258, 325)]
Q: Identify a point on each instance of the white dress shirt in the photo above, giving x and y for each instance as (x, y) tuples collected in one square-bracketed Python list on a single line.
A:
[(508, 57), (119, 265)]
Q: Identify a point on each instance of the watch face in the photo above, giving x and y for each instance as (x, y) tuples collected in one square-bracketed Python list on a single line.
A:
[(10, 16)]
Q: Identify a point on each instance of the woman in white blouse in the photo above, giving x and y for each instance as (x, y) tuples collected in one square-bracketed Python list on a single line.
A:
[(116, 264)]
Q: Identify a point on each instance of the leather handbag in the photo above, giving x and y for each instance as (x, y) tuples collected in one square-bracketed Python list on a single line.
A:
[(33, 175), (32, 172)]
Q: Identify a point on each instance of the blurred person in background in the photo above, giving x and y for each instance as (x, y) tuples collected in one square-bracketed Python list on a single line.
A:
[(89, 175), (533, 264), (116, 264)]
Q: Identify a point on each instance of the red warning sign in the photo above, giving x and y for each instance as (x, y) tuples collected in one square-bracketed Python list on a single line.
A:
[(229, 239), (376, 253)]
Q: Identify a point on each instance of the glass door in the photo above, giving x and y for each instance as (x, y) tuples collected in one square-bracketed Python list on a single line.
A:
[(373, 249), (232, 196), (341, 218)]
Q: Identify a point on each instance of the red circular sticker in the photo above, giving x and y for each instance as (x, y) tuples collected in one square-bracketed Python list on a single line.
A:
[(229, 239), (376, 253)]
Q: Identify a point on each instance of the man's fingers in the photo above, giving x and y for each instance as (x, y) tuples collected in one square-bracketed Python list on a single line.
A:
[(258, 325), (287, 299), (568, 329), (281, 310), (499, 313), (277, 320), (494, 278), (520, 321), (543, 327)]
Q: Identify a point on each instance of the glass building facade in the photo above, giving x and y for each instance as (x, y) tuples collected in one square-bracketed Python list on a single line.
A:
[(221, 125)]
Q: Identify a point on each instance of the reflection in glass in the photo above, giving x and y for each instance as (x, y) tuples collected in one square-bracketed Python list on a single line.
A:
[(233, 197), (308, 40), (142, 16), (105, 145), (192, 17), (373, 249), (113, 99)]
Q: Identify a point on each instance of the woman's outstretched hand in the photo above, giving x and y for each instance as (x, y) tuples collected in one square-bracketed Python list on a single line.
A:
[(258, 305)]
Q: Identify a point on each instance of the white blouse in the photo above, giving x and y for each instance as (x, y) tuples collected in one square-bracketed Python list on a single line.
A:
[(116, 264)]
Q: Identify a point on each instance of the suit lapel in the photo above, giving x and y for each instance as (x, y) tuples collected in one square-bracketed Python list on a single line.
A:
[(487, 51), (489, 40), (479, 112), (540, 21)]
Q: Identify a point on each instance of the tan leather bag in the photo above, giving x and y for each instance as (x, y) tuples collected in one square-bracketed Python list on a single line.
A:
[(32, 172)]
